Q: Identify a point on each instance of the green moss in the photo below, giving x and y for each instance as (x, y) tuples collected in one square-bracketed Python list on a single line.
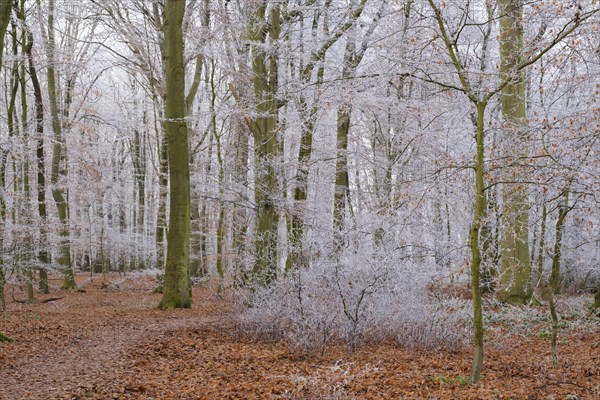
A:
[(175, 301), (4, 338), (515, 299)]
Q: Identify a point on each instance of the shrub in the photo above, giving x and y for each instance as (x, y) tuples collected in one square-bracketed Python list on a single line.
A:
[(359, 295)]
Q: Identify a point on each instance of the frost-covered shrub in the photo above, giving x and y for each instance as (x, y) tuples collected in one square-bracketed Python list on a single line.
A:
[(355, 296), (578, 276)]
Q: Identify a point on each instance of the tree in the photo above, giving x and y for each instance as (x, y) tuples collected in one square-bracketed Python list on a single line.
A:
[(480, 96), (177, 291), (515, 286), (353, 55), (5, 7), (596, 304), (140, 25), (264, 28), (64, 257), (552, 285), (309, 115)]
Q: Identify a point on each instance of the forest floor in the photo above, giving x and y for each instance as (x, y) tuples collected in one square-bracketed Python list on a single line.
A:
[(112, 343)]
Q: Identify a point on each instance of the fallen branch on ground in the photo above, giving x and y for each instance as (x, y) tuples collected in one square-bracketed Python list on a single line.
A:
[(48, 300)]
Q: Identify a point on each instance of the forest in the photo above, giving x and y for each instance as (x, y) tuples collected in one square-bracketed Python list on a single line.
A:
[(299, 199)]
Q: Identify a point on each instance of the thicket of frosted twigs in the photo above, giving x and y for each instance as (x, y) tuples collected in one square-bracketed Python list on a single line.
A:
[(360, 293)]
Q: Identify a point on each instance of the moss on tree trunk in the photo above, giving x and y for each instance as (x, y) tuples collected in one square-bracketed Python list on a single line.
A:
[(177, 291), (266, 139), (64, 253), (515, 284)]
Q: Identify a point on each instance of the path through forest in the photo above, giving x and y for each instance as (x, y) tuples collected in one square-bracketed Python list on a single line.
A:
[(111, 343), (74, 346)]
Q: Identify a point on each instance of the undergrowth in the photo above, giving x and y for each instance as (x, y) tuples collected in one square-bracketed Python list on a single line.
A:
[(357, 296)]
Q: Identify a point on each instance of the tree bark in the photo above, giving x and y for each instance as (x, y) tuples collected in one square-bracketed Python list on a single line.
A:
[(5, 6), (474, 239), (64, 254), (563, 210), (353, 55), (240, 218), (540, 259), (138, 158), (266, 142), (596, 304), (161, 216), (553, 281), (515, 286), (177, 291), (26, 209), (43, 255), (341, 196)]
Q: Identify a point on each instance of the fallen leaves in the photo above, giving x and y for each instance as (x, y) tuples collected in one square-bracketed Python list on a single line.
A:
[(113, 343)]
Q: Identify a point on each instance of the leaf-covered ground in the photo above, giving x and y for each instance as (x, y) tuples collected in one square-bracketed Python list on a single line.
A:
[(111, 343)]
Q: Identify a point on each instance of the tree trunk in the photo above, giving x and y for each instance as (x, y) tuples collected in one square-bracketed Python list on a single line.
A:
[(5, 6), (488, 270), (474, 239), (43, 255), (515, 286), (201, 227), (266, 143), (596, 304), (540, 259), (553, 281), (196, 263), (161, 216), (342, 182), (220, 173), (2, 283), (296, 257), (563, 210), (139, 169), (27, 206), (240, 219), (177, 291), (64, 254)]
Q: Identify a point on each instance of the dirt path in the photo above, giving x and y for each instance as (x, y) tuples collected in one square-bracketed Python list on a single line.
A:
[(74, 346)]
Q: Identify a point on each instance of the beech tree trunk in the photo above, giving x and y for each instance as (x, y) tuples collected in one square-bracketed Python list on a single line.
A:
[(5, 6), (161, 216), (353, 55), (266, 143), (64, 254), (43, 255), (26, 209), (138, 158), (515, 286), (177, 291)]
